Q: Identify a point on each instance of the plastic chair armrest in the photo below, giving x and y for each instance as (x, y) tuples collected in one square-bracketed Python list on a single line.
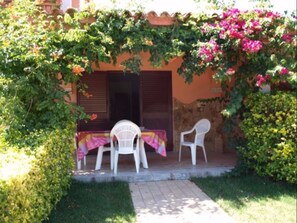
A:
[(182, 134)]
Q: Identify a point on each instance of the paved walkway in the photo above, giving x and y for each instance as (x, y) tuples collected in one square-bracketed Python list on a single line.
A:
[(174, 201)]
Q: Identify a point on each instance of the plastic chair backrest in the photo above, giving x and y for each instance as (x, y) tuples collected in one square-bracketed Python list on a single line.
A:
[(201, 127), (125, 132)]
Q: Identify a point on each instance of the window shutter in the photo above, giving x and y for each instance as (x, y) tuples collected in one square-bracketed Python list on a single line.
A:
[(96, 104)]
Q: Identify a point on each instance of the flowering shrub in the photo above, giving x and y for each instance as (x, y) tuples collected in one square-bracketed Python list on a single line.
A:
[(259, 44), (270, 128), (30, 186)]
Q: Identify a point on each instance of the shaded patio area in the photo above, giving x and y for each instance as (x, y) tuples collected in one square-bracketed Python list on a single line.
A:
[(160, 168)]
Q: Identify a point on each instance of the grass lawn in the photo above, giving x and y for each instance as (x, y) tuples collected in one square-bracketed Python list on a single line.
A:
[(94, 203), (252, 199)]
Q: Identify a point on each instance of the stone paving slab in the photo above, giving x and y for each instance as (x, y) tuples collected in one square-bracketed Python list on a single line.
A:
[(174, 201)]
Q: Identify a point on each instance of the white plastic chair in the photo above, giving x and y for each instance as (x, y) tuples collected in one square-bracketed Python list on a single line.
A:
[(101, 150), (201, 128), (122, 137)]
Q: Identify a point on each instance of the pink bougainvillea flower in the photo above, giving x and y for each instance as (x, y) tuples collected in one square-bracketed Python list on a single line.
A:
[(287, 38), (273, 14), (241, 23), (236, 34), (256, 25), (260, 80), (253, 26), (224, 24), (251, 46), (77, 70), (208, 51), (214, 45), (267, 77), (231, 13), (230, 71), (284, 71), (93, 117)]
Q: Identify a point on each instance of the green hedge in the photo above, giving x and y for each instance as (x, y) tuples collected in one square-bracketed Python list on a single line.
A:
[(31, 194), (269, 126)]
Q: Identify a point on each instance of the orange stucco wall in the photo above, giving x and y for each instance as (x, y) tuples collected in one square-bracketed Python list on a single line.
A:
[(202, 87)]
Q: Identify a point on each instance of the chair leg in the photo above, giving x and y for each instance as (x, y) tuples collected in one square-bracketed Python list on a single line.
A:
[(85, 160), (136, 158), (111, 159), (142, 155), (193, 154), (205, 158), (116, 158), (99, 158), (137, 151), (179, 155), (78, 164)]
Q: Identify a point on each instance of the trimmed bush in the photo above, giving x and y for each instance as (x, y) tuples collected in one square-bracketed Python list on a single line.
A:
[(31, 194), (269, 126)]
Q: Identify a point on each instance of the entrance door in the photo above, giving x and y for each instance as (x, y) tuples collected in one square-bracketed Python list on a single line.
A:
[(156, 102), (123, 97)]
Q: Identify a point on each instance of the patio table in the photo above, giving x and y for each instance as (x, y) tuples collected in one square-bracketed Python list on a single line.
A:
[(89, 140)]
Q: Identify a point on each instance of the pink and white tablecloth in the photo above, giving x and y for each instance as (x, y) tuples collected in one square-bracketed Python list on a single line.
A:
[(89, 140)]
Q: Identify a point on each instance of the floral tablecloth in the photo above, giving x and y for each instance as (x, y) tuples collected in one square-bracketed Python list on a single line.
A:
[(89, 140)]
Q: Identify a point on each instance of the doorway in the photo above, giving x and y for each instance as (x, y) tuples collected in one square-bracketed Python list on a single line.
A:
[(124, 97), (145, 99)]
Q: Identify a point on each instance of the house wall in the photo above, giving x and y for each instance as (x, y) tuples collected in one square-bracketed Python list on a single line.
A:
[(187, 105), (202, 87)]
